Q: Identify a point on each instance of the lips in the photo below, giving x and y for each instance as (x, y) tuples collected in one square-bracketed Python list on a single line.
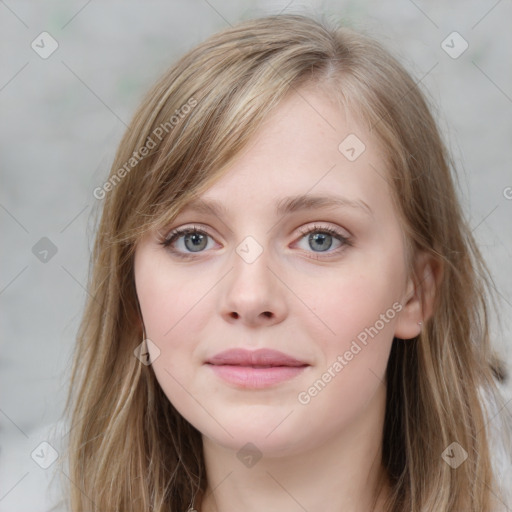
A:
[(261, 358), (253, 370)]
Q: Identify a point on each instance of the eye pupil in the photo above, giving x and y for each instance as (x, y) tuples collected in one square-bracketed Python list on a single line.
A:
[(197, 239), (320, 237)]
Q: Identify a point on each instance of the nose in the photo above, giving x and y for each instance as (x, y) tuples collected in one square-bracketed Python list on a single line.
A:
[(253, 293)]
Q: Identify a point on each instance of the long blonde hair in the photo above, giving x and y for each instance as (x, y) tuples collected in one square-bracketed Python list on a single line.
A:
[(129, 449)]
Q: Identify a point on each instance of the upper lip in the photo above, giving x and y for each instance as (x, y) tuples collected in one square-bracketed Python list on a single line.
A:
[(260, 357)]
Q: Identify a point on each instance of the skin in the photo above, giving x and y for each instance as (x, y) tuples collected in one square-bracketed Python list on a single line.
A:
[(323, 455)]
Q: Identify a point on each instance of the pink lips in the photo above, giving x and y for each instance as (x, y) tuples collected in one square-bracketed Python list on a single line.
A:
[(255, 369)]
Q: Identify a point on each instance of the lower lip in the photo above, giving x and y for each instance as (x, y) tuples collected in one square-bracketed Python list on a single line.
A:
[(249, 377)]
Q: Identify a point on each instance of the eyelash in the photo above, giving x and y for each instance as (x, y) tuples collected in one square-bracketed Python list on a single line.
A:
[(177, 233)]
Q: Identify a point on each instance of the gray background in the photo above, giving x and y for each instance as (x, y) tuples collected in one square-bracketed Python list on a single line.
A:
[(62, 118)]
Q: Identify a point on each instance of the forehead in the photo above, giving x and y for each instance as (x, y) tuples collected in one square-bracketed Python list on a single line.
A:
[(309, 146)]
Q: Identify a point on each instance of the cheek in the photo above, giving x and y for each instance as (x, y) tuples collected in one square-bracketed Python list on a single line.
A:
[(358, 313), (361, 311), (171, 301), (347, 307), (175, 308)]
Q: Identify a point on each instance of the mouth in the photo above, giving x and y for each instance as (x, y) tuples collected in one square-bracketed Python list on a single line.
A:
[(257, 369), (263, 358), (256, 377), (259, 365)]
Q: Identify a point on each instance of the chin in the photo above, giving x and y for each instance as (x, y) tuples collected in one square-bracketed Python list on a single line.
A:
[(266, 441)]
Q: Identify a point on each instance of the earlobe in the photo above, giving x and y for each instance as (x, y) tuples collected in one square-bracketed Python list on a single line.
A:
[(419, 298)]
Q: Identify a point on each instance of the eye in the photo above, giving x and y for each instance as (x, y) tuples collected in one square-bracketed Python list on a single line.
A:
[(184, 242), (321, 239), (194, 240)]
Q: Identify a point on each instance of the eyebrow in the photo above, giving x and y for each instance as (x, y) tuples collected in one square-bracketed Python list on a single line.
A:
[(286, 205)]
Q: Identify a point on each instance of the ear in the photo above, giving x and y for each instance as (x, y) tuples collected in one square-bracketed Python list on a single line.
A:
[(419, 297)]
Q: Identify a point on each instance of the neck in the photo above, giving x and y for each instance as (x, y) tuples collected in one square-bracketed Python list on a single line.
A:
[(343, 473)]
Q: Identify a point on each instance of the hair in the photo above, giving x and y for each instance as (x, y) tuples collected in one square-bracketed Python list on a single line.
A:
[(129, 449)]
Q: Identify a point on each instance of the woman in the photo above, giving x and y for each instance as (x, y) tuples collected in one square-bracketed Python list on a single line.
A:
[(287, 307)]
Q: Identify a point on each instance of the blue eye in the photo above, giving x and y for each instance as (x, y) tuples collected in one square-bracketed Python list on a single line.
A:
[(322, 237), (195, 240)]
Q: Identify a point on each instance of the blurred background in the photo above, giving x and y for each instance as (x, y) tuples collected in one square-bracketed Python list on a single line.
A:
[(72, 74)]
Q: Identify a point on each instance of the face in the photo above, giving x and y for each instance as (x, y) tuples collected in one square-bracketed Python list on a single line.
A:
[(324, 284)]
